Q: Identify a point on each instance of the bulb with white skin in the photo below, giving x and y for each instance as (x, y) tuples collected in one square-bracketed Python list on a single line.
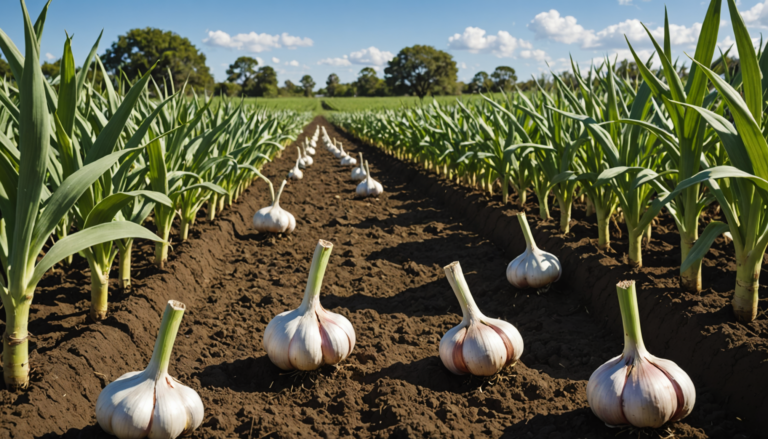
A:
[(308, 148), (296, 173), (310, 336), (348, 160), (637, 388), (358, 172), (338, 150), (535, 268), (305, 157), (480, 345), (369, 187), (152, 404), (274, 219)]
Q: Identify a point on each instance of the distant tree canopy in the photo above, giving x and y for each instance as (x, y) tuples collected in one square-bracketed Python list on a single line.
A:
[(421, 70), (504, 78), (51, 70), (136, 51), (481, 83), (242, 71), (331, 84), (308, 84), (368, 84), (266, 82), (5, 69)]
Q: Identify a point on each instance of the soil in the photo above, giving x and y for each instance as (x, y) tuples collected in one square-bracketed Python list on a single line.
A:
[(385, 276)]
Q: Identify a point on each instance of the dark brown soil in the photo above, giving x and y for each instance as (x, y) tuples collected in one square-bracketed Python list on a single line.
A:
[(385, 275)]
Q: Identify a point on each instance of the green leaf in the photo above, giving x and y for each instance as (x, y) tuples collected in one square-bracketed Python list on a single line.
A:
[(703, 244), (750, 70), (107, 208), (88, 238), (67, 107)]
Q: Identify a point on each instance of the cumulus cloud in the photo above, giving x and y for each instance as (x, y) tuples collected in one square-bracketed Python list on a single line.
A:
[(276, 60), (537, 54), (552, 26), (50, 56), (371, 56), (293, 63), (757, 16), (335, 61), (253, 42), (625, 2), (475, 40)]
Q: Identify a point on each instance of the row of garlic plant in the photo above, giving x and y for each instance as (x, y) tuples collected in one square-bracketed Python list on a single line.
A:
[(631, 148), (98, 160)]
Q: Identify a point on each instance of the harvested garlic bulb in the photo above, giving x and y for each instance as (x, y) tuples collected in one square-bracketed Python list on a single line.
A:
[(305, 157), (348, 160), (296, 173), (338, 150), (274, 219), (309, 336), (152, 403), (637, 388), (534, 268), (369, 187), (479, 345), (358, 172), (309, 148)]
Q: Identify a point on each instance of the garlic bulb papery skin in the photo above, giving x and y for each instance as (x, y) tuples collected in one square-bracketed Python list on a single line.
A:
[(369, 187), (342, 153), (310, 336), (535, 268), (274, 219), (358, 172), (480, 345), (152, 404), (637, 388), (348, 160), (309, 148), (337, 151), (296, 173)]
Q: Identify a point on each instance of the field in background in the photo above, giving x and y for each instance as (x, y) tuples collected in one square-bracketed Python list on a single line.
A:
[(315, 105)]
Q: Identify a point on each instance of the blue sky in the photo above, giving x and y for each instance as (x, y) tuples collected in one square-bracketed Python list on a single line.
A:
[(319, 38)]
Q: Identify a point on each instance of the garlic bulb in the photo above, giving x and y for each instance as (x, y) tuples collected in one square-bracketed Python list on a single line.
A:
[(273, 218), (308, 149), (295, 173), (348, 160), (358, 172), (534, 268), (342, 153), (306, 158), (369, 187), (637, 388), (479, 345), (309, 336), (152, 403), (337, 150)]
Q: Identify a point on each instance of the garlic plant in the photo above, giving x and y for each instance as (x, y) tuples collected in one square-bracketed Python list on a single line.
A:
[(479, 345), (348, 160), (358, 172), (274, 219), (152, 403), (308, 148), (338, 150), (309, 336), (637, 388), (534, 268), (369, 187), (296, 173), (305, 157)]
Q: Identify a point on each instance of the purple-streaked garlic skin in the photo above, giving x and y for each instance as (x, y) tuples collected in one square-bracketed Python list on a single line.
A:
[(637, 388), (479, 345)]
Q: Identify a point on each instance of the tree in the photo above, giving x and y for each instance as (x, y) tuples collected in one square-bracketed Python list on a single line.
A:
[(51, 70), (331, 84), (504, 78), (266, 82), (5, 69), (243, 70), (227, 88), (421, 70), (368, 84), (481, 83), (136, 51), (308, 84)]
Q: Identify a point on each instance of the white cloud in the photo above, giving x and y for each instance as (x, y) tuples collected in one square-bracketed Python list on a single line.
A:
[(276, 60), (552, 26), (475, 40), (625, 2), (50, 56), (463, 65), (538, 54), (757, 16), (371, 56), (335, 61), (253, 42), (293, 63), (260, 61)]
